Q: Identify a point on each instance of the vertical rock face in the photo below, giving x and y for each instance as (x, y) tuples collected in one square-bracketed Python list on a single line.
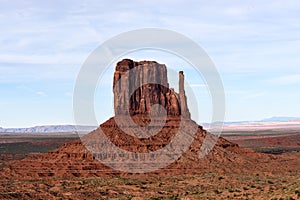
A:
[(139, 85), (183, 101)]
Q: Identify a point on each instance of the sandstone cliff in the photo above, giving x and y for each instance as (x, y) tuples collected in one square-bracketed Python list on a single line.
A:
[(139, 85)]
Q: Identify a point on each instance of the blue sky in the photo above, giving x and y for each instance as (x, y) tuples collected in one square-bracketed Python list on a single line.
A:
[(255, 46)]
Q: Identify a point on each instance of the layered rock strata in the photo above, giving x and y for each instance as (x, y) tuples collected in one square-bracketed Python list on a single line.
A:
[(139, 85)]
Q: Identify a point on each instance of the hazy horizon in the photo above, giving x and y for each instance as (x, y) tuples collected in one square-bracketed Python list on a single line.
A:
[(201, 123)]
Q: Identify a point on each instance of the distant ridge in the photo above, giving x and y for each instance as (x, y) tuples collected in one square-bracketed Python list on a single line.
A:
[(74, 128), (279, 119), (49, 129), (270, 119)]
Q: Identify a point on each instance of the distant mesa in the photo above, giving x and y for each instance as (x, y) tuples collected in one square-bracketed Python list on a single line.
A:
[(279, 119), (50, 129), (295, 120)]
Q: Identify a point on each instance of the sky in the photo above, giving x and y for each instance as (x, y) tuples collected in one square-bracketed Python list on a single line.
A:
[(254, 45)]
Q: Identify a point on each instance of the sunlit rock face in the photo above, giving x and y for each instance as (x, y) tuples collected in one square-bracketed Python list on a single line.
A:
[(139, 85)]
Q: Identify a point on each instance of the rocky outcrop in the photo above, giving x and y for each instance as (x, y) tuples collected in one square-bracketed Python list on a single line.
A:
[(139, 85)]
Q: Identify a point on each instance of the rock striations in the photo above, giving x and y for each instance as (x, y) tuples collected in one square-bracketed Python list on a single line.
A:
[(139, 85)]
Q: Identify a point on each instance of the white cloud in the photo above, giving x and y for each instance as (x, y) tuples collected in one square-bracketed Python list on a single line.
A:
[(286, 80), (57, 59), (253, 95), (197, 85), (69, 94), (42, 94)]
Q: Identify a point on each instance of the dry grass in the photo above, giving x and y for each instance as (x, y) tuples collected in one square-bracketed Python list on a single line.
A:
[(203, 186)]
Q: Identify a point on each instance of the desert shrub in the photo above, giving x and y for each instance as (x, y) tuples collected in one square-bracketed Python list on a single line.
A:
[(260, 188), (245, 188), (143, 187), (174, 197), (230, 190), (156, 198), (217, 191), (297, 192)]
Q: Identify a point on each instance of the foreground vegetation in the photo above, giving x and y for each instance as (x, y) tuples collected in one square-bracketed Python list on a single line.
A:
[(204, 186)]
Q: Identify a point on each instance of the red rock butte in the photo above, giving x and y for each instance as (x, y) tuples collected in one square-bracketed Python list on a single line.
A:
[(73, 159), (139, 85)]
